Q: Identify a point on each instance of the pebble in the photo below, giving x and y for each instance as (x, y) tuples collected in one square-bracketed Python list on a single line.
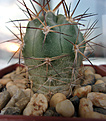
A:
[(11, 111), (99, 82), (1, 87), (15, 98), (82, 91), (75, 101), (104, 79), (65, 108), (89, 80), (98, 99), (85, 106), (87, 72), (4, 81), (37, 105), (8, 75), (99, 110), (94, 115), (19, 95), (4, 98), (28, 92), (86, 110), (89, 68), (100, 87), (9, 84), (22, 103), (97, 76), (12, 89), (11, 103), (51, 112), (56, 98)]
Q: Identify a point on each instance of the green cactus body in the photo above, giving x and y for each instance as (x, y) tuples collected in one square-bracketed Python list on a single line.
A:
[(56, 75)]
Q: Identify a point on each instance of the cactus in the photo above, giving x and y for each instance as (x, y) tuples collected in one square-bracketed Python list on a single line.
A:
[(53, 47), (56, 53)]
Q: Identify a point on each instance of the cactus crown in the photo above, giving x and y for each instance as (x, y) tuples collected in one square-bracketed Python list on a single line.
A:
[(53, 46)]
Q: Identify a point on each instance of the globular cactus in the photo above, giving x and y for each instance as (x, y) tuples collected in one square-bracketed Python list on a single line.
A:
[(53, 47), (54, 56)]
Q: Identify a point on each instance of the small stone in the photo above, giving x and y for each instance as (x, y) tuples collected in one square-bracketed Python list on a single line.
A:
[(4, 81), (15, 98), (8, 75), (11, 103), (99, 110), (4, 98), (1, 87), (50, 112), (89, 68), (82, 91), (86, 110), (12, 111), (99, 82), (85, 106), (16, 77), (75, 101), (28, 92), (12, 89), (37, 105), (99, 88), (65, 108), (97, 76), (22, 103), (98, 99), (18, 70), (104, 79), (94, 115), (56, 98), (87, 72), (11, 83), (89, 80), (19, 95)]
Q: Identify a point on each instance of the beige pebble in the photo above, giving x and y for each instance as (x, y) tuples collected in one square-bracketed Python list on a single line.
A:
[(18, 95), (4, 81), (21, 104), (9, 75), (94, 115), (85, 106), (86, 110), (22, 81), (16, 77), (28, 92), (56, 98), (18, 69), (90, 68), (65, 108), (99, 82), (82, 91), (20, 85), (104, 79), (98, 99), (11, 103), (4, 98), (97, 76), (87, 72), (37, 105), (12, 89), (9, 84)]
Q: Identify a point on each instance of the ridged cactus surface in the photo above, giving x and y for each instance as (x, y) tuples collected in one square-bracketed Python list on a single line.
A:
[(53, 57)]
